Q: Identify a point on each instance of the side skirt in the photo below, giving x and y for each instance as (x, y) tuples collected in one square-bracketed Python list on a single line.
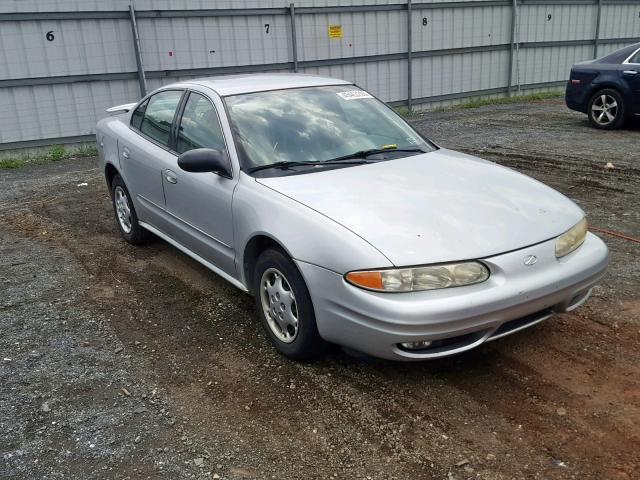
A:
[(195, 256)]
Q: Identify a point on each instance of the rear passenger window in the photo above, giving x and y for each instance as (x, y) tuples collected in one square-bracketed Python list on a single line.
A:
[(635, 58), (138, 114), (158, 115), (199, 126)]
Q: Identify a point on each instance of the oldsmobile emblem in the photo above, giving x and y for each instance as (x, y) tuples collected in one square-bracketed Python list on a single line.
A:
[(530, 260)]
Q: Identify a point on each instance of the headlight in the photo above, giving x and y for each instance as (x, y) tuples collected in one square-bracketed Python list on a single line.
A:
[(420, 278), (571, 239)]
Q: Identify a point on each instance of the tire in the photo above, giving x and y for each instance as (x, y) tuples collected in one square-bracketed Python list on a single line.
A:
[(125, 214), (280, 292), (613, 114)]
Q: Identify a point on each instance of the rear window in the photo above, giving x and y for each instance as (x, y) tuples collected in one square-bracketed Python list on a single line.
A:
[(138, 114), (158, 115), (618, 56)]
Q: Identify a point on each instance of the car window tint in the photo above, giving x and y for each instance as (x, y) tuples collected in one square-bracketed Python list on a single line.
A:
[(635, 58), (159, 115), (199, 127), (138, 114)]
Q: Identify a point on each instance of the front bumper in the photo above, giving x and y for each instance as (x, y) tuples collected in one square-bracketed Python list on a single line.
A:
[(456, 319)]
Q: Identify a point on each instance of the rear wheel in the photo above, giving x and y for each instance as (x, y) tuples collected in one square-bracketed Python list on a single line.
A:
[(606, 109), (284, 305), (126, 217)]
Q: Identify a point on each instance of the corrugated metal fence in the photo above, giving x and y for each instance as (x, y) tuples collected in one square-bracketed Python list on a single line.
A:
[(65, 61)]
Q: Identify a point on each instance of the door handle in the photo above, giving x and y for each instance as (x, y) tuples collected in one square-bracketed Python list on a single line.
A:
[(170, 176), (630, 72)]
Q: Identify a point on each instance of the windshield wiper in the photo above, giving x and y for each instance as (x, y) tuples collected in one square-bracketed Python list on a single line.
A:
[(345, 159), (287, 164), (374, 151)]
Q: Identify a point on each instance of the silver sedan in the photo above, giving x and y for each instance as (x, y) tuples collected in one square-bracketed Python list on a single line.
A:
[(347, 225)]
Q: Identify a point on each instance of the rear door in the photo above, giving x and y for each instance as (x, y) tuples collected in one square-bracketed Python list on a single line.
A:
[(631, 75), (145, 154), (200, 203)]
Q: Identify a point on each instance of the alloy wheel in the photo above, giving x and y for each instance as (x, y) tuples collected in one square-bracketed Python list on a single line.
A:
[(604, 109)]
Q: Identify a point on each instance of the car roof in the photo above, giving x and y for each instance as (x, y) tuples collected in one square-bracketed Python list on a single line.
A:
[(226, 85)]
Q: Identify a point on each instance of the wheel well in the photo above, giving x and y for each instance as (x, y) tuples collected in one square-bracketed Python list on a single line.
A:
[(599, 88), (252, 251), (110, 172)]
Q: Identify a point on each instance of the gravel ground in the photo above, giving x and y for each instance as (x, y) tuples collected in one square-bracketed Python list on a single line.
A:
[(121, 362)]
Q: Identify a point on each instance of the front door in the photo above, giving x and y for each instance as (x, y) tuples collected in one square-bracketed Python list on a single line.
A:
[(200, 203)]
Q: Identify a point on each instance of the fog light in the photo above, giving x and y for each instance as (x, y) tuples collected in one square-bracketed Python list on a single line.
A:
[(419, 345)]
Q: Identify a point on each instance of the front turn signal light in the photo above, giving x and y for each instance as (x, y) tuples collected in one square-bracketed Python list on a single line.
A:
[(429, 277)]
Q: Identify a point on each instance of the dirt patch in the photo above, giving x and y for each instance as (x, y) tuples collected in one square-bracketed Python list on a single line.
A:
[(123, 362)]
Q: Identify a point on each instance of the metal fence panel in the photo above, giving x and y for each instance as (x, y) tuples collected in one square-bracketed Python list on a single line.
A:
[(77, 47), (184, 43), (58, 87), (549, 64), (448, 74), (386, 80), (203, 4), (543, 23), (52, 111), (608, 48), (438, 28), (19, 6), (620, 21), (362, 33)]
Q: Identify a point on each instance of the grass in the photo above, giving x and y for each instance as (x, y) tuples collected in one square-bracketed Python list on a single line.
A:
[(42, 157), (482, 102)]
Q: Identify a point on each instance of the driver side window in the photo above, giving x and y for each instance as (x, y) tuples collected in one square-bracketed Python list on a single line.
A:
[(199, 126)]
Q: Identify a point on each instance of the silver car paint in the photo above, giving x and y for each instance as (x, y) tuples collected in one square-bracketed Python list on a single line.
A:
[(376, 322), (436, 207), (402, 212)]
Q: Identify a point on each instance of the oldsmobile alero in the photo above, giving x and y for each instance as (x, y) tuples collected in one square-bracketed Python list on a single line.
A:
[(346, 224)]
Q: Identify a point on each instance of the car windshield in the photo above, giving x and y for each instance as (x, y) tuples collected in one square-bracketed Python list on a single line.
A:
[(317, 124)]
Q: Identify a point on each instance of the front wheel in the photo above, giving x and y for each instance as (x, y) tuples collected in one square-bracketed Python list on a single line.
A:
[(284, 305), (606, 109)]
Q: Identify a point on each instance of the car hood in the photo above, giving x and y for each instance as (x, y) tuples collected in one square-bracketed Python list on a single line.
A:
[(434, 207)]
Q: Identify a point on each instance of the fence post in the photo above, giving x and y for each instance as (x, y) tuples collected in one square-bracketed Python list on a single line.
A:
[(409, 57), (512, 50), (596, 40), (294, 42), (136, 45)]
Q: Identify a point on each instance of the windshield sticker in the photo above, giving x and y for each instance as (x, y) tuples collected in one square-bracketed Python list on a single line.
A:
[(354, 95)]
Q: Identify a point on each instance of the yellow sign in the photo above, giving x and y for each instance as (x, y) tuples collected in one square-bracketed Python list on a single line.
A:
[(335, 31)]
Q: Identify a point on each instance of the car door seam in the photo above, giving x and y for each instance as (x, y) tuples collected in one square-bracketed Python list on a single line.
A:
[(164, 210)]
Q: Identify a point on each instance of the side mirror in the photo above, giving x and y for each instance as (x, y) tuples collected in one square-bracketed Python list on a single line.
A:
[(205, 160)]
